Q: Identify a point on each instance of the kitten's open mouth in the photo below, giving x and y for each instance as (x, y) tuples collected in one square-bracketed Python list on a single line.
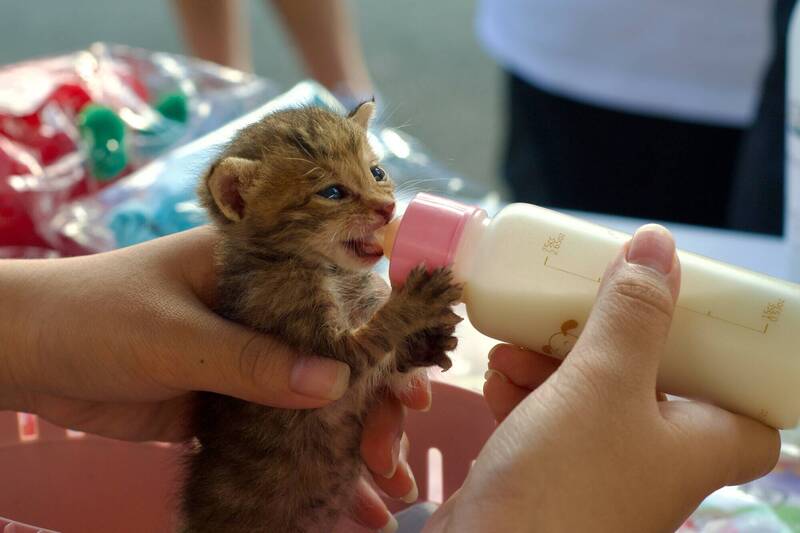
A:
[(368, 248)]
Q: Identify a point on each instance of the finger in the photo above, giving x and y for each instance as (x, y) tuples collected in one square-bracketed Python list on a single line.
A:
[(191, 255), (206, 352), (721, 448), (370, 511), (443, 516), (212, 354), (401, 485), (380, 440), (522, 367), (625, 334), (157, 421), (501, 395), (417, 395)]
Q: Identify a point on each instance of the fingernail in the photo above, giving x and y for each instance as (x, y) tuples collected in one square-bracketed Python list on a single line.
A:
[(652, 246), (494, 349), (319, 377), (492, 372), (413, 494), (430, 396), (391, 526), (395, 457)]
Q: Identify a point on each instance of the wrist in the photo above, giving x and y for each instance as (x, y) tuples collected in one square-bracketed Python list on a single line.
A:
[(18, 323), (500, 494)]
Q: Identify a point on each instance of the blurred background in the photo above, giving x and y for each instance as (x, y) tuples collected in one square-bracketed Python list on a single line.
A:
[(423, 57), (658, 110), (645, 109)]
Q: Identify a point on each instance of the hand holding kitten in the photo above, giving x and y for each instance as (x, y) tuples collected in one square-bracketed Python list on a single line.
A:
[(114, 344)]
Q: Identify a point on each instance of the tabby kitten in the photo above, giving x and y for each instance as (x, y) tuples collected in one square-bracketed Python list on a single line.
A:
[(296, 199)]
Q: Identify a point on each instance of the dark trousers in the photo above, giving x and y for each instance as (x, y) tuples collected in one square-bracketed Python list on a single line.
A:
[(565, 154), (757, 197)]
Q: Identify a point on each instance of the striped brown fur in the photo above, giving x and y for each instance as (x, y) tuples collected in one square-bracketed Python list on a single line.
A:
[(287, 268)]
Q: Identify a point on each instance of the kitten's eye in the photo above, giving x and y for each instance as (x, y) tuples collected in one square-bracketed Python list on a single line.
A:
[(334, 192), (378, 173)]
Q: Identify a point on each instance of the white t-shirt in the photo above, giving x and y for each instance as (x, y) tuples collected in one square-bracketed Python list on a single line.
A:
[(697, 60)]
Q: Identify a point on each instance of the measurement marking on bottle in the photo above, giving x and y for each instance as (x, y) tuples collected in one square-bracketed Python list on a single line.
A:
[(595, 280), (553, 244), (708, 314), (772, 311)]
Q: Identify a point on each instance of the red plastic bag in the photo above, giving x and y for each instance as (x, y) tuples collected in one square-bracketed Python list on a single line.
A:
[(160, 101)]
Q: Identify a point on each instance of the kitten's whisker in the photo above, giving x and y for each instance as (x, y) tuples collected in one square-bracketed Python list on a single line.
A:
[(299, 159), (335, 235), (411, 189), (300, 145), (406, 190), (423, 180), (416, 186), (313, 170), (401, 126), (390, 113)]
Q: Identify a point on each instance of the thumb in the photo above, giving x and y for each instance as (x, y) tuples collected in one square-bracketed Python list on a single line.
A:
[(720, 448), (226, 358), (628, 326)]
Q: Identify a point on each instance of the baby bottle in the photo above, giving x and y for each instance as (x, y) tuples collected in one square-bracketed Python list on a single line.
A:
[(531, 276)]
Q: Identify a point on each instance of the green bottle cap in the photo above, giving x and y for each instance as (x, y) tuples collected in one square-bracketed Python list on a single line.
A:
[(104, 134), (174, 106)]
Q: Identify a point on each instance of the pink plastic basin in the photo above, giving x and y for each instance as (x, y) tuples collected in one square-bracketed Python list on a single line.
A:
[(75, 483)]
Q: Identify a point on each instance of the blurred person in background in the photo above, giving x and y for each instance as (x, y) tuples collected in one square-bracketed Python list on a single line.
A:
[(321, 31), (758, 187), (611, 102)]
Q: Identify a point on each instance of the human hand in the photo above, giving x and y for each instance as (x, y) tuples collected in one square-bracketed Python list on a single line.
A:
[(115, 344), (586, 445)]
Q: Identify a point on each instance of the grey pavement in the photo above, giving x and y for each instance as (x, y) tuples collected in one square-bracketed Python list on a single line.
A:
[(438, 83)]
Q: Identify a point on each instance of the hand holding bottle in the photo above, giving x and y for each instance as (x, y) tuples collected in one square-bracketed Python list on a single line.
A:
[(584, 444)]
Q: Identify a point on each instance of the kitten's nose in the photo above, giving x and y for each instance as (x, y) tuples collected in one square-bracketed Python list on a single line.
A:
[(386, 211)]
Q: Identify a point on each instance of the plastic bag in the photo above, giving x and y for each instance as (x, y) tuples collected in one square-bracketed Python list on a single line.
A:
[(770, 504), (731, 510), (72, 124), (159, 199)]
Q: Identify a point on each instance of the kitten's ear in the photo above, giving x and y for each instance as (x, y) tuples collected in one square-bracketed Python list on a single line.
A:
[(363, 113), (228, 183)]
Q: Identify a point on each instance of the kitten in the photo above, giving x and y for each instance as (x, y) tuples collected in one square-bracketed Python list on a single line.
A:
[(296, 198)]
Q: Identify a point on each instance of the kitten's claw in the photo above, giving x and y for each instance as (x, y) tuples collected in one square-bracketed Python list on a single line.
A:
[(451, 319), (449, 344), (444, 362), (436, 285), (427, 301), (429, 348)]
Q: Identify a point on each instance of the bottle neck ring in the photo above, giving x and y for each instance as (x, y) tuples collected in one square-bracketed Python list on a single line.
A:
[(429, 234)]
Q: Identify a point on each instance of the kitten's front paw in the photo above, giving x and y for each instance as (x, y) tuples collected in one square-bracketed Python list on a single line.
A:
[(429, 348), (428, 300)]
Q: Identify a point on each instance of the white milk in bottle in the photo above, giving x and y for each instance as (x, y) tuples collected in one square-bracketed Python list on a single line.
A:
[(531, 276)]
